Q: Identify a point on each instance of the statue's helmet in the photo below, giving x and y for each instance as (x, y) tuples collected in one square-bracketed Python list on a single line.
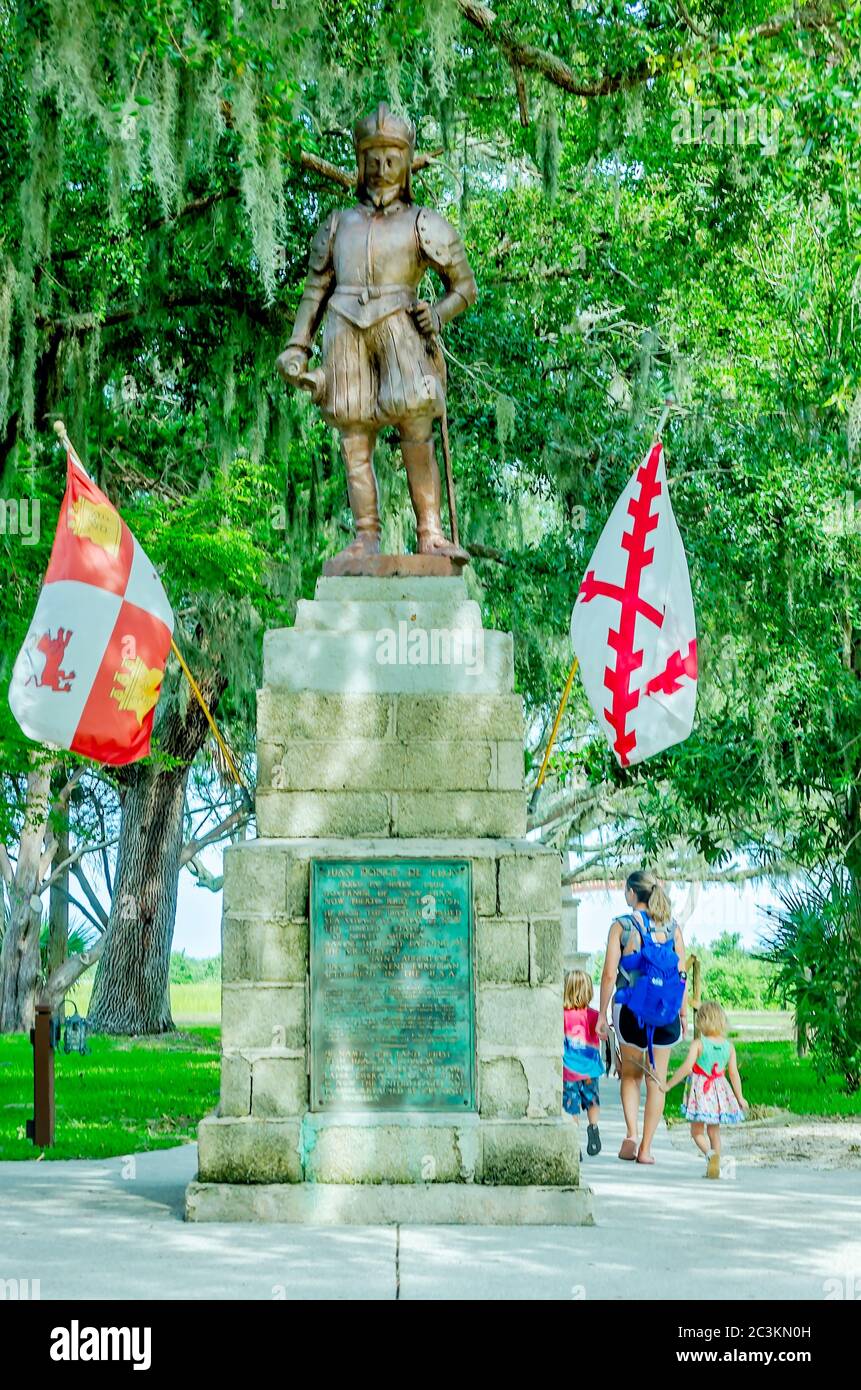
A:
[(381, 128)]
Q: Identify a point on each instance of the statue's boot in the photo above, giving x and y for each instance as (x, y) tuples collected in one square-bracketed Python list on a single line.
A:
[(357, 452), (424, 484)]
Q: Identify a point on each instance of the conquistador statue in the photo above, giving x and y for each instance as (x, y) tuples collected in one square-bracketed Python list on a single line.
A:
[(382, 361)]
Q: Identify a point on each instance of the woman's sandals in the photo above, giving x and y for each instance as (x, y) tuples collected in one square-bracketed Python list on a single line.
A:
[(629, 1149)]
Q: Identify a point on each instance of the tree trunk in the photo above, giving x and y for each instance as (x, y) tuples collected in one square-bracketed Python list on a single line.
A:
[(60, 982), (131, 991), (19, 957)]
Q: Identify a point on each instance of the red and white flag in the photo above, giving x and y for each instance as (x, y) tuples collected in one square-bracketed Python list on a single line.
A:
[(633, 625), (89, 674)]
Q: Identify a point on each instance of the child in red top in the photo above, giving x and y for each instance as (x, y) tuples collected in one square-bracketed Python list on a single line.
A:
[(581, 1055)]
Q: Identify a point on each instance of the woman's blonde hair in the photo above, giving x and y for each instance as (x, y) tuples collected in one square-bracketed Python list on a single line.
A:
[(579, 988), (649, 891), (711, 1019)]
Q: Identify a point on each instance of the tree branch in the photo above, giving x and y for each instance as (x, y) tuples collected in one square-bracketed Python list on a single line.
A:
[(73, 859), (61, 981), (205, 879), (520, 88), (92, 899), (195, 206), (570, 806), (487, 552), (194, 847), (62, 799), (80, 907), (82, 323), (557, 72), (690, 22), (315, 164)]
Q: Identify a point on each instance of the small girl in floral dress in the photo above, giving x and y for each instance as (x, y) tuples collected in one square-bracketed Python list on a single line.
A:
[(713, 1095)]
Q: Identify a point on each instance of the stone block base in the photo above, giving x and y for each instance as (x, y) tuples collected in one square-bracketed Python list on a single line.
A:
[(389, 1204), (389, 1148), (387, 732)]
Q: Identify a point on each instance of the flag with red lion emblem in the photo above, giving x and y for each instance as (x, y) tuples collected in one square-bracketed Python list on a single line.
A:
[(89, 674), (633, 625)]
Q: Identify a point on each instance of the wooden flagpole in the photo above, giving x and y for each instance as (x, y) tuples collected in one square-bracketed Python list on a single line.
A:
[(209, 719), (60, 431), (536, 792), (533, 800)]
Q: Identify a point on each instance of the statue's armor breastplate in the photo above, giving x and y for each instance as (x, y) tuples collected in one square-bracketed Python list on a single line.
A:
[(377, 263)]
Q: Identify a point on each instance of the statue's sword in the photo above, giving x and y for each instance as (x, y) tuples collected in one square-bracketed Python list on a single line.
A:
[(446, 447), (449, 480)]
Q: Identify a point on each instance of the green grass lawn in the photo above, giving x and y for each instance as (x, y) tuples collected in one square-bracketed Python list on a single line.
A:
[(133, 1094), (128, 1095), (772, 1076), (198, 1003)]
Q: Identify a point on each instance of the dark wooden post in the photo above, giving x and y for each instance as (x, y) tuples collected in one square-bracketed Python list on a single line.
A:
[(43, 1037), (695, 979)]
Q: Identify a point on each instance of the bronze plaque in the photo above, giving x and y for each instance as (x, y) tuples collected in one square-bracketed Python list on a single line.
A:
[(392, 1011)]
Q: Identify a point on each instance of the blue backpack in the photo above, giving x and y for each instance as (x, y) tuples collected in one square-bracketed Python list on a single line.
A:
[(656, 995)]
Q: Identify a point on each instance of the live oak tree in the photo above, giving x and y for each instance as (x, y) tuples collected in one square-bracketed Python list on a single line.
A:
[(656, 198), (58, 836)]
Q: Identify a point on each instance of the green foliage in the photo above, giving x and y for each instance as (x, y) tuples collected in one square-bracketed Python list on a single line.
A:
[(728, 944), (814, 940), (125, 1096), (187, 970), (772, 1075), (733, 977), (159, 190), (736, 981)]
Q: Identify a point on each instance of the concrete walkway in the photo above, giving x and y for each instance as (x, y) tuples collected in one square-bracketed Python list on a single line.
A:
[(114, 1229)]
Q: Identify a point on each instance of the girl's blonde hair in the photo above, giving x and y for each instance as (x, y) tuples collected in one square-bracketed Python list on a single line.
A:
[(650, 891), (579, 988), (711, 1019)]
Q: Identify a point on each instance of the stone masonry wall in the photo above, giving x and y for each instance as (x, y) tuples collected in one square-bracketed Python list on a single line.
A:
[(264, 1132), (389, 765)]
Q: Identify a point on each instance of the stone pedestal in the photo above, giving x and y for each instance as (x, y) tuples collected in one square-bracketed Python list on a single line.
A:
[(388, 731), (572, 957)]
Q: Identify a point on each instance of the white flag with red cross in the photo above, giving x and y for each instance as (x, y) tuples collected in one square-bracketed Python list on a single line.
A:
[(633, 626), (89, 674)]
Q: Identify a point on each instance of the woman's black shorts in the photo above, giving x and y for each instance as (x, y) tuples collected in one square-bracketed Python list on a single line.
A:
[(629, 1031)]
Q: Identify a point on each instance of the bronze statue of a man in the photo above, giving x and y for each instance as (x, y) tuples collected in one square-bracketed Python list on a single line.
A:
[(382, 358)]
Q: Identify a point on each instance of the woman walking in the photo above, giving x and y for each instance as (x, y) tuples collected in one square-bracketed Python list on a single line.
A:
[(650, 919)]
